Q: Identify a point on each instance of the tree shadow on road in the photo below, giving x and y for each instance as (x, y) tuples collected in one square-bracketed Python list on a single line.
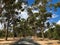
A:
[(27, 40)]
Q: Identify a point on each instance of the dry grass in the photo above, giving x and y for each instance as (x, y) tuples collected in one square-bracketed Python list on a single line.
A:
[(10, 40), (46, 41)]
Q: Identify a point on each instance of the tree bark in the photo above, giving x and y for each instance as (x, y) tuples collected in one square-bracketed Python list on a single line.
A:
[(7, 31), (6, 34), (42, 32), (42, 35)]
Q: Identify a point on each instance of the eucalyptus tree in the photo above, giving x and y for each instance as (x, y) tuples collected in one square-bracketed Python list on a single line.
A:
[(56, 32), (42, 15), (9, 10), (24, 28)]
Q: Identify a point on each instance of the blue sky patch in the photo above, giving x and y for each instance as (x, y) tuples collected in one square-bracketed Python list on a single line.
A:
[(56, 13)]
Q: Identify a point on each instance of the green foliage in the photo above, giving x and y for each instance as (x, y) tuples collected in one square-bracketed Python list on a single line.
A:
[(31, 25), (2, 33), (42, 9), (53, 33), (56, 33), (57, 5)]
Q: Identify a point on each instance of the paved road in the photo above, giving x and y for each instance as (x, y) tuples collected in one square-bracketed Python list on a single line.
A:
[(26, 41)]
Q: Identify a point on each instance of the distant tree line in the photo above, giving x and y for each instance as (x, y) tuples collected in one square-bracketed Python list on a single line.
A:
[(14, 26)]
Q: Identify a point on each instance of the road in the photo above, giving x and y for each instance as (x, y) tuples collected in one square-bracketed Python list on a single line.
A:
[(26, 41)]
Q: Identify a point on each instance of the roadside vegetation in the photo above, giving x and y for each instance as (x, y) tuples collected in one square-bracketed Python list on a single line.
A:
[(15, 26)]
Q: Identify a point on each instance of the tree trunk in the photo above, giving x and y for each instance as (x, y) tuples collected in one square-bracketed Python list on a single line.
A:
[(6, 34), (14, 32), (7, 31), (42, 35), (42, 32)]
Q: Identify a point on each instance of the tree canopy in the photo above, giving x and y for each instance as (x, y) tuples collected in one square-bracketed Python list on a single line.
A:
[(9, 10)]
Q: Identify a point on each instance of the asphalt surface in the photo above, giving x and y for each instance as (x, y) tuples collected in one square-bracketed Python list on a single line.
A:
[(25, 41)]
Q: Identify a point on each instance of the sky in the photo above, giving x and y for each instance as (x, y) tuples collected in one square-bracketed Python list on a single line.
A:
[(56, 15)]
